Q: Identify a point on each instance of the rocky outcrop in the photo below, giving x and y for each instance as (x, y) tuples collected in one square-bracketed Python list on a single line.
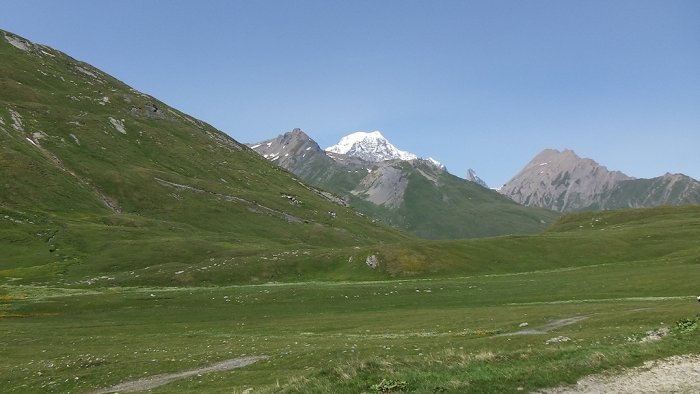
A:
[(383, 186), (372, 261)]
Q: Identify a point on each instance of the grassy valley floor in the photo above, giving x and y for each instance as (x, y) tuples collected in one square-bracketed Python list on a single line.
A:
[(417, 335)]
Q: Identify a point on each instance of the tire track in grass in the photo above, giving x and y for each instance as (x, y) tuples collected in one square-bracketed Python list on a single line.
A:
[(553, 325)]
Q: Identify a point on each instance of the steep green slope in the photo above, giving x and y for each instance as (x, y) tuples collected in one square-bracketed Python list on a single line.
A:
[(445, 206), (668, 189), (98, 177)]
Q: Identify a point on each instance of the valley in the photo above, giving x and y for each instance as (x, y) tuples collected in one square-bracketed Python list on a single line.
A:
[(446, 332), (143, 249)]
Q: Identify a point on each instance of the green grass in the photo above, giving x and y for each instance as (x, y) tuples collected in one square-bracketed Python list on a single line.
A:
[(626, 272), (438, 334)]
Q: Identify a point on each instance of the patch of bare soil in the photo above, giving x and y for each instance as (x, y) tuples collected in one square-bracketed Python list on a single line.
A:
[(151, 382), (677, 374)]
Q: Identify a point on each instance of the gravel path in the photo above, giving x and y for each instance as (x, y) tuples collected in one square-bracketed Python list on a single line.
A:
[(677, 374), (159, 380)]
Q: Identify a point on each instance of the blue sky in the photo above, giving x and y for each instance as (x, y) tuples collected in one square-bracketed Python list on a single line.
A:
[(481, 84)]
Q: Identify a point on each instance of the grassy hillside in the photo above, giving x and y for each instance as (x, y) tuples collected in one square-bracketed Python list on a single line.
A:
[(99, 178), (593, 238), (449, 207)]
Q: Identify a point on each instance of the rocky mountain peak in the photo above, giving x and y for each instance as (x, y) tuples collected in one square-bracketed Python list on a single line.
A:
[(372, 147), (288, 147), (561, 180), (472, 177)]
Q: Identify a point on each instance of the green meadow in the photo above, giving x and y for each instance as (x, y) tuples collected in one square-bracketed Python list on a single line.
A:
[(590, 291)]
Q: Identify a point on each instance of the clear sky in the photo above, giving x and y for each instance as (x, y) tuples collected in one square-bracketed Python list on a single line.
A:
[(482, 84)]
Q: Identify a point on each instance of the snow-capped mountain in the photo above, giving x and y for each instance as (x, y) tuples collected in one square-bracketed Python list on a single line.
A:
[(372, 147)]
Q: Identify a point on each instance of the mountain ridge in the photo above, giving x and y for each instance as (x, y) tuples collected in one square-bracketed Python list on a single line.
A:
[(418, 195), (564, 182)]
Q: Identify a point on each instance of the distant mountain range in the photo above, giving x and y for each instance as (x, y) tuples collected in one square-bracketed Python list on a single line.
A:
[(386, 183), (377, 178), (565, 182)]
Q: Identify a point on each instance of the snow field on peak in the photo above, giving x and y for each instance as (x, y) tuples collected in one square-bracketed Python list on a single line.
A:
[(369, 146)]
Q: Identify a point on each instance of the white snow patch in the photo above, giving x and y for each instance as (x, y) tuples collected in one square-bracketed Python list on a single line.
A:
[(75, 138), (118, 124), (269, 144), (308, 148), (435, 162), (254, 146), (544, 164), (47, 53), (30, 141)]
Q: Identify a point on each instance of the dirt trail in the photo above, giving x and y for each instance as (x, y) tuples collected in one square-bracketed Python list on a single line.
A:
[(151, 382), (553, 325), (677, 374)]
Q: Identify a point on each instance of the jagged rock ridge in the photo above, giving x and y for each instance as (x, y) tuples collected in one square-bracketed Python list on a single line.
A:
[(564, 182), (472, 177)]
